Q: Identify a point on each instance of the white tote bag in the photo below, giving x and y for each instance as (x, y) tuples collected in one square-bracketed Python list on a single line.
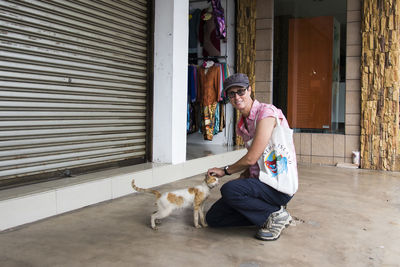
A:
[(278, 165)]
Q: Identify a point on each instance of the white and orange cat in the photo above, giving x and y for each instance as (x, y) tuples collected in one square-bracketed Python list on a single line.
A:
[(169, 201)]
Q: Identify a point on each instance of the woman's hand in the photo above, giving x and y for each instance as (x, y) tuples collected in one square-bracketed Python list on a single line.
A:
[(219, 172)]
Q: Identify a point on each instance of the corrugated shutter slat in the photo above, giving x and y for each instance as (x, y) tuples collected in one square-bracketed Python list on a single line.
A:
[(73, 84)]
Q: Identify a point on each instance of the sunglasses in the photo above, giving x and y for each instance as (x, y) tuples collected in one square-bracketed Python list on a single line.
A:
[(239, 92)]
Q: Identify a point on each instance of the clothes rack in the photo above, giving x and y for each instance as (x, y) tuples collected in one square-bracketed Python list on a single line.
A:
[(209, 57), (195, 1)]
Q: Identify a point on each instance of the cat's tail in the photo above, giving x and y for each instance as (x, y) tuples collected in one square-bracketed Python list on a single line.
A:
[(155, 192)]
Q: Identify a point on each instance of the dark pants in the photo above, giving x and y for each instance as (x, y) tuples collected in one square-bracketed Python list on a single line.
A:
[(245, 202)]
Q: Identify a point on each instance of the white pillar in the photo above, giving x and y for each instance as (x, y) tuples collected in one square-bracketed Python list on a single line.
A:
[(170, 80)]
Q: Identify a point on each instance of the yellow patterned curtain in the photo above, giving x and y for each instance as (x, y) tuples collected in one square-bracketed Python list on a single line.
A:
[(246, 45)]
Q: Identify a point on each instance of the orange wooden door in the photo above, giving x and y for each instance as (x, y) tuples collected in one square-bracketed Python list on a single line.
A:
[(310, 72)]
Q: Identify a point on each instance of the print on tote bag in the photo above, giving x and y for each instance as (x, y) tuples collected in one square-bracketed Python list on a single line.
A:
[(276, 164), (276, 159)]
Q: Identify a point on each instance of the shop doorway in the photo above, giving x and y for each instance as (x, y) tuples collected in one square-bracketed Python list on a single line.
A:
[(205, 60)]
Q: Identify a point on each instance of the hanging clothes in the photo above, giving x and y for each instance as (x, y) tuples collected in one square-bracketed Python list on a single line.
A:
[(222, 117), (208, 91), (219, 19), (206, 111), (192, 83), (194, 22), (217, 119), (208, 35), (208, 94), (192, 121), (209, 121), (220, 66)]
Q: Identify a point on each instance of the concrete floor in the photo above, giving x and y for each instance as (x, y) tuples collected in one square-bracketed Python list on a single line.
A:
[(344, 217)]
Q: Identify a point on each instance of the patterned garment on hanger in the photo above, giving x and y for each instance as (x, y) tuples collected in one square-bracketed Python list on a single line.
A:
[(219, 19), (209, 121)]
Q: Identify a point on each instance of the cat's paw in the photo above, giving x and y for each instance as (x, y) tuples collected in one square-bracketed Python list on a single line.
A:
[(198, 226), (205, 225), (154, 227)]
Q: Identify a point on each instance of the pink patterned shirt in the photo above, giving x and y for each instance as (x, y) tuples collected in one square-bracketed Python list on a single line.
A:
[(258, 111)]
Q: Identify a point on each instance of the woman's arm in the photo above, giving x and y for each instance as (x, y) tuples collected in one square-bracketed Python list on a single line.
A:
[(263, 133)]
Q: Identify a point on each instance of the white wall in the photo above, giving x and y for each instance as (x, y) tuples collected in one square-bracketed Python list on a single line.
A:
[(170, 80)]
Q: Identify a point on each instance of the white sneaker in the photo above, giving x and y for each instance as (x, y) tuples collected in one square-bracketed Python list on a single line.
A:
[(276, 222)]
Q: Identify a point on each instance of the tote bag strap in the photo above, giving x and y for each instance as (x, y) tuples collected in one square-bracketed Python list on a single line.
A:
[(278, 121)]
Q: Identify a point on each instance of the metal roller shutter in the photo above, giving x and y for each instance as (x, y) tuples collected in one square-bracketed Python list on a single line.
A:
[(73, 84)]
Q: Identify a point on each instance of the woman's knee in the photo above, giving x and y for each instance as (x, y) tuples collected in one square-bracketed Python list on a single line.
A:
[(227, 189), (231, 189)]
